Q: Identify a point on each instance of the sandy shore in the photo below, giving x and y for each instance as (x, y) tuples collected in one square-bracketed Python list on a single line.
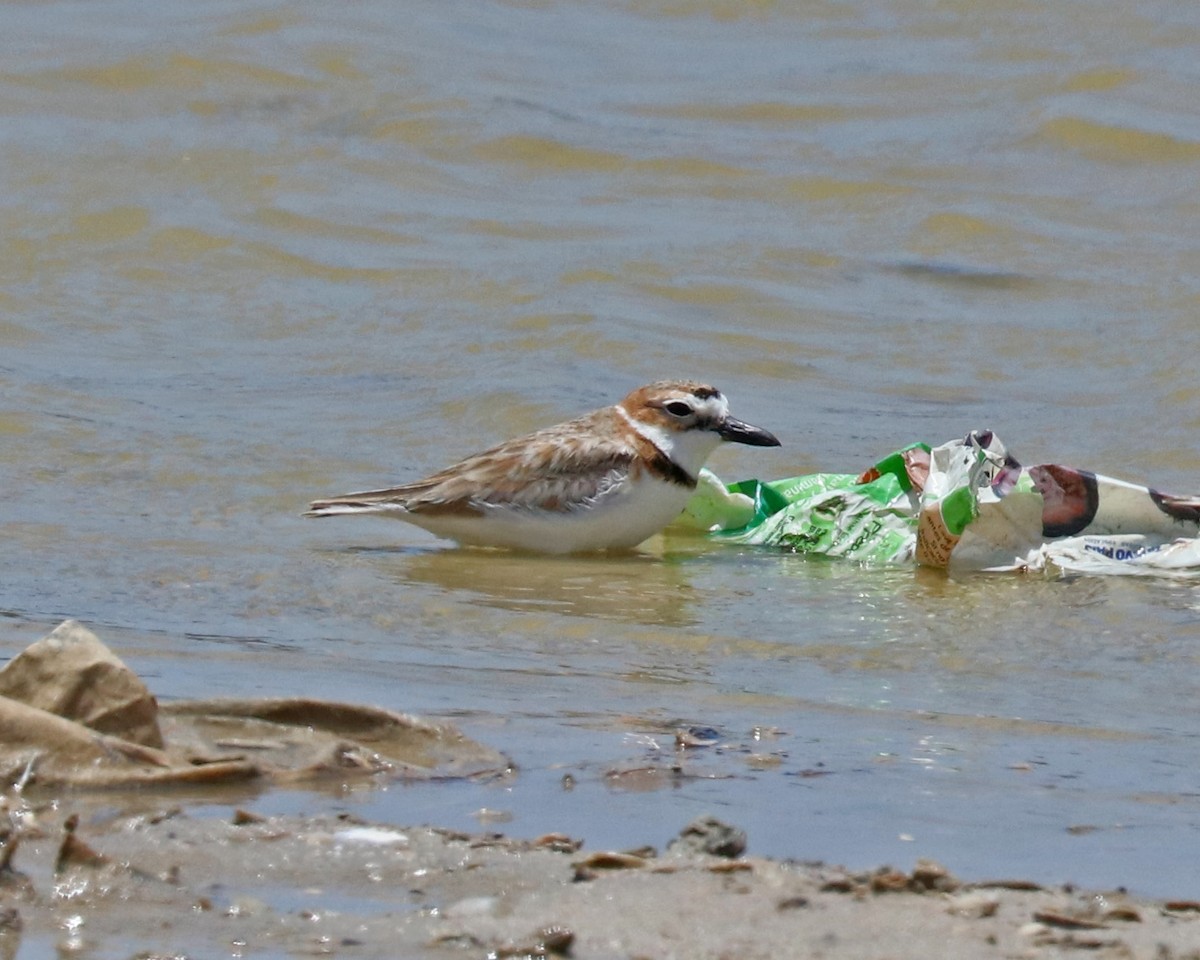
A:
[(96, 861), (172, 883)]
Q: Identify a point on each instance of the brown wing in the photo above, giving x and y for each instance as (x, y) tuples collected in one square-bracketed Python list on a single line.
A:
[(560, 468)]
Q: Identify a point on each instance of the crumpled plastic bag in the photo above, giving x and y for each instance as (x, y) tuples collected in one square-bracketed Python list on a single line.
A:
[(967, 504), (73, 715), (72, 675)]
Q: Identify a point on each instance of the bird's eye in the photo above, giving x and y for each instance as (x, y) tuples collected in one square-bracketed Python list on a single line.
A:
[(677, 408)]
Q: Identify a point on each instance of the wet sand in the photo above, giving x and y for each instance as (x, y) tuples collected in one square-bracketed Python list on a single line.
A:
[(170, 882), (116, 851)]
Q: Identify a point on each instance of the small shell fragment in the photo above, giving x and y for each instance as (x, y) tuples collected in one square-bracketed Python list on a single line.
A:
[(1053, 918), (610, 860), (558, 842)]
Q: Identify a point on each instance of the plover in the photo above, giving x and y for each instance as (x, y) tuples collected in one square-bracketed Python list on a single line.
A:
[(605, 481)]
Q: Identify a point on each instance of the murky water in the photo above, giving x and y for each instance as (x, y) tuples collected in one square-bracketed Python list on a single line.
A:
[(256, 253)]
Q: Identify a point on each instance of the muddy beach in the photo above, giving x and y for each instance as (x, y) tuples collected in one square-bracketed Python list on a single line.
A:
[(111, 848), (167, 882)]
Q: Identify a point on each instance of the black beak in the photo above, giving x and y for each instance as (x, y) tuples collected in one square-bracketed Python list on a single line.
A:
[(737, 431)]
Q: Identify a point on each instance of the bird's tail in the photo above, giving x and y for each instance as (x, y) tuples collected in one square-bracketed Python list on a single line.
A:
[(350, 504)]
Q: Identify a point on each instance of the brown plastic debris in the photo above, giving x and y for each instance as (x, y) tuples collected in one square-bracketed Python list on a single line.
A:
[(310, 737), (72, 715), (71, 674), (54, 744)]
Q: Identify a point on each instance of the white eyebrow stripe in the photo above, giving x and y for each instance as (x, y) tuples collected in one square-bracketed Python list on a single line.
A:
[(657, 437), (637, 427)]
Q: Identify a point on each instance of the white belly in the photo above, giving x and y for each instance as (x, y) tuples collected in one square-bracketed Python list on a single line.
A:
[(621, 519)]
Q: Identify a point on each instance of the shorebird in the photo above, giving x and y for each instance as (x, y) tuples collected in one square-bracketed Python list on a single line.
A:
[(604, 481)]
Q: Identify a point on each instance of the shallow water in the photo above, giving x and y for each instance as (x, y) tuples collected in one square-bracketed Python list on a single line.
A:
[(256, 253)]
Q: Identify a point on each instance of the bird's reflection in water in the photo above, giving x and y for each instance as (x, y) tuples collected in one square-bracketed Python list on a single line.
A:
[(642, 587)]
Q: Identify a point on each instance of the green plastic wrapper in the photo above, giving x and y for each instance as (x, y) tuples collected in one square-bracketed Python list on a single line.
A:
[(965, 504), (871, 518)]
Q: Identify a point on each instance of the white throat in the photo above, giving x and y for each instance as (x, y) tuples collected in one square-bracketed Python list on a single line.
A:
[(687, 449)]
